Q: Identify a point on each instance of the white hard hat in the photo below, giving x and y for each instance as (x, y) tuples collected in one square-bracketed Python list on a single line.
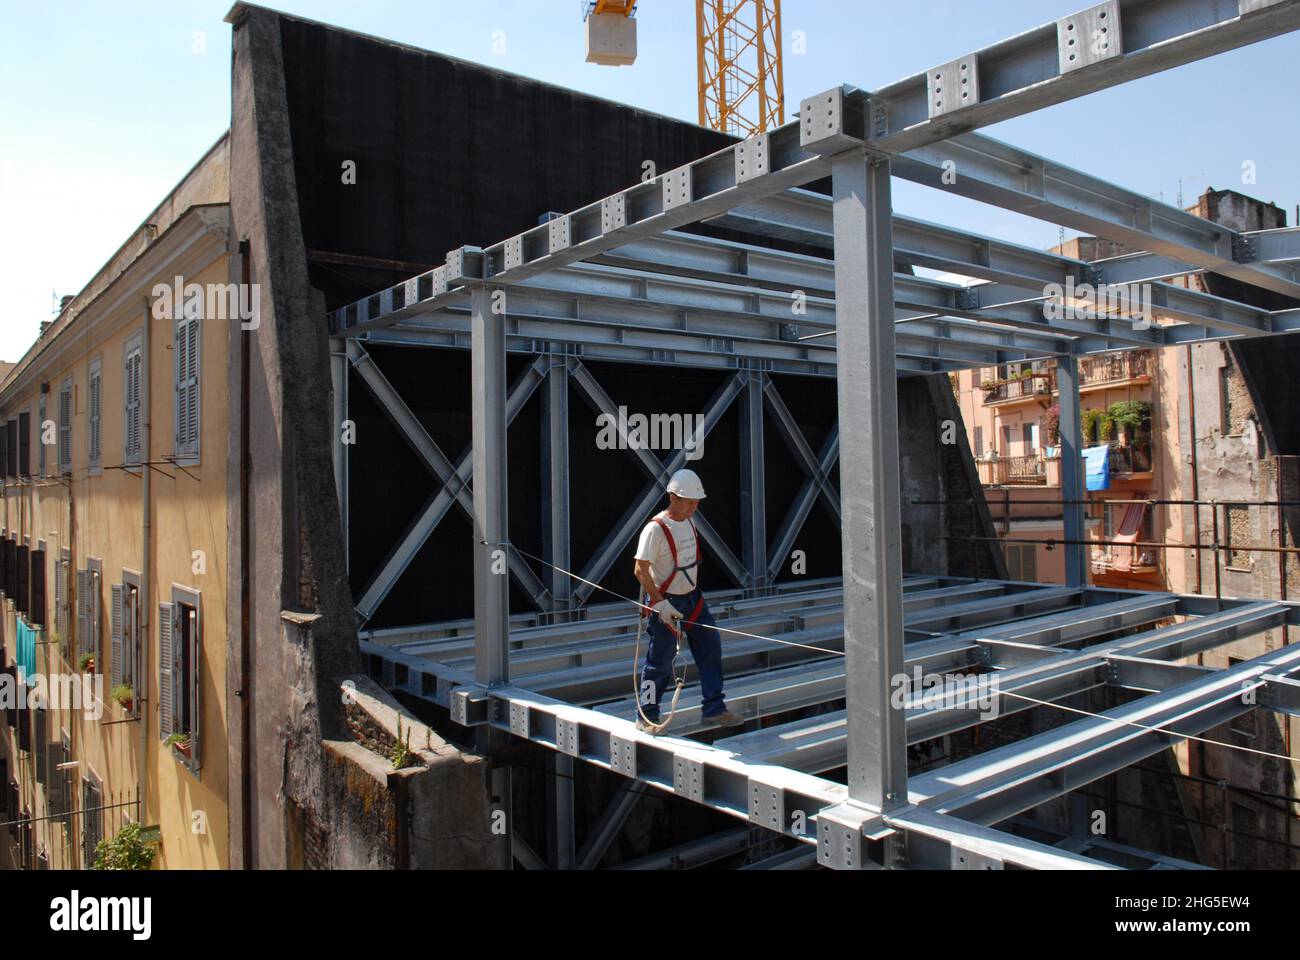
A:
[(686, 484)]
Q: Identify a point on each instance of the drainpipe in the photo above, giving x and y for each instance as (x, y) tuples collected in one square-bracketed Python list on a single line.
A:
[(146, 545), (245, 594)]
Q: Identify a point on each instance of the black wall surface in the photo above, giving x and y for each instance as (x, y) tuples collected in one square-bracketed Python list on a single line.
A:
[(448, 154)]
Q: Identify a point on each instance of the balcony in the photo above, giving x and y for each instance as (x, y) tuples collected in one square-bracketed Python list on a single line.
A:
[(1115, 369), (1027, 386), (1131, 458), (1028, 471)]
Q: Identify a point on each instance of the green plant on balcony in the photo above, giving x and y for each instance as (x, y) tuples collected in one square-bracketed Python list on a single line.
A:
[(126, 851), (124, 695), (1052, 421), (181, 741), (1130, 416), (87, 663)]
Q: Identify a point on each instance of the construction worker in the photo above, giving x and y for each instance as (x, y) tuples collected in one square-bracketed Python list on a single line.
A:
[(667, 563)]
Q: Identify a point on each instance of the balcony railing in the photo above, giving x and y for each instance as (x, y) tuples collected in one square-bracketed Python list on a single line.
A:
[(1029, 470), (1020, 388), (1115, 368), (1134, 458)]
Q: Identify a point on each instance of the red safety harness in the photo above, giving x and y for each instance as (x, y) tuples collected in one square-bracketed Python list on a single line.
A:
[(672, 547)]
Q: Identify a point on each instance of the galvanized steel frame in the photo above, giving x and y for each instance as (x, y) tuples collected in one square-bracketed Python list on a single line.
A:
[(695, 313)]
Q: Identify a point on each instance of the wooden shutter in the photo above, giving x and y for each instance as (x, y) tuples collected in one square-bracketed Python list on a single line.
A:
[(37, 616), (56, 777), (4, 450), (115, 677), (83, 621), (42, 744), (23, 598), (186, 410), (61, 600), (131, 383), (65, 428), (165, 650), (95, 402), (24, 444), (195, 678)]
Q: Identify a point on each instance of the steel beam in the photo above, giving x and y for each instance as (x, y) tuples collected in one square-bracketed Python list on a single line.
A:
[(1041, 67), (1000, 783), (869, 479), (997, 173)]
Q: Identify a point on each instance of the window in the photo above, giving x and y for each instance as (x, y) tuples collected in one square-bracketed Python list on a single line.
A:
[(61, 569), (979, 442), (40, 428), (92, 818), (89, 587), (1236, 535), (40, 721), (131, 402), (95, 416), (1113, 516), (1022, 561), (23, 581), (4, 451), (187, 388), (126, 637), (179, 672), (36, 616), (11, 446), (65, 427), (24, 445), (1027, 437)]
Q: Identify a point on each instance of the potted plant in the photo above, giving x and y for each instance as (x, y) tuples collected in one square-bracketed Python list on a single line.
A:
[(181, 742), (87, 663), (126, 851), (124, 695)]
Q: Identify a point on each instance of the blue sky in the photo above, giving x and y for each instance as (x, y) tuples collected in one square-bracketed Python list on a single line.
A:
[(105, 106)]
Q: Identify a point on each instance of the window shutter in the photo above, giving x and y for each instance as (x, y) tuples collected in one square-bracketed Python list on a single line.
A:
[(22, 600), (25, 444), (193, 418), (96, 616), (42, 744), (65, 429), (165, 700), (60, 599), (38, 615), (54, 788), (115, 677), (95, 404), (83, 622), (196, 675)]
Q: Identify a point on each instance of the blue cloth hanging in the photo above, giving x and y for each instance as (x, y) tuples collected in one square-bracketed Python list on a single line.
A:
[(1096, 462)]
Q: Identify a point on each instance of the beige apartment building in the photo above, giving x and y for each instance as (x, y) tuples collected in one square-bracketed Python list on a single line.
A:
[(115, 576)]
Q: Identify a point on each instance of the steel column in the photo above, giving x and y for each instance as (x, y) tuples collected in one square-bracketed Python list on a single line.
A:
[(555, 473), (1072, 485), (559, 811), (869, 479), (488, 405), (753, 491)]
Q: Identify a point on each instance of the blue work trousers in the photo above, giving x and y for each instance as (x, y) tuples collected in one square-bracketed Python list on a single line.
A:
[(706, 649)]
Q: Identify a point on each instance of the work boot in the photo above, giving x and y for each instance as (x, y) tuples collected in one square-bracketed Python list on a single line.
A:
[(725, 719), (649, 728)]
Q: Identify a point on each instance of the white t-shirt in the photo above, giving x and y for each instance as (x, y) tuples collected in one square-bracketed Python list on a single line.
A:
[(653, 546)]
